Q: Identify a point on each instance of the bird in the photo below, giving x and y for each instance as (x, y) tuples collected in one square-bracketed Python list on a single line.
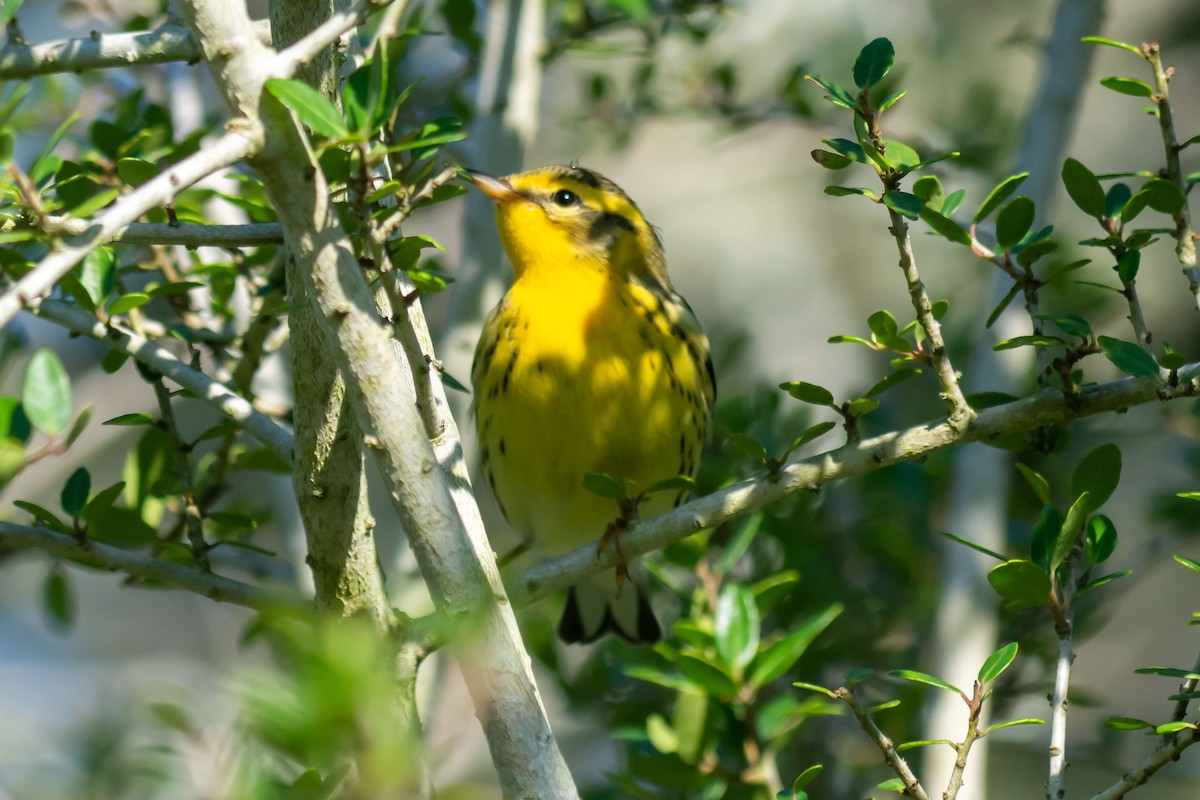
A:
[(591, 363)]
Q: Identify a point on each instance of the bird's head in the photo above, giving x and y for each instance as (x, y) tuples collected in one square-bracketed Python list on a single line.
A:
[(560, 216)]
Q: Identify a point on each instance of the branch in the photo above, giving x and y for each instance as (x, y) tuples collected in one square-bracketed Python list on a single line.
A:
[(235, 145), (148, 568), (168, 42), (1164, 754), (199, 384), (254, 234), (961, 412), (1056, 788), (456, 560), (294, 56), (1185, 235), (894, 760), (856, 458)]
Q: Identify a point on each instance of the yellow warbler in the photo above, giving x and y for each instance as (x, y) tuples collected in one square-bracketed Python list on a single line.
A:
[(591, 363)]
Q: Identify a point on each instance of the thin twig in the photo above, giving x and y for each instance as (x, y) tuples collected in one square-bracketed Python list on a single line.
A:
[(1185, 235), (1164, 754), (963, 750), (894, 760), (1056, 785), (192, 520), (154, 571), (199, 384), (232, 147), (961, 412)]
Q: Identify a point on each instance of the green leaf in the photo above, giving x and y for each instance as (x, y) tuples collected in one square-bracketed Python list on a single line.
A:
[(98, 274), (605, 485), (1045, 534), (1040, 486), (263, 459), (997, 662), (1020, 583), (1163, 196), (903, 203), (921, 677), (1129, 358), (848, 340), (738, 544), (837, 95), (773, 588), (998, 195), (138, 418), (891, 785), (929, 189), (977, 547), (43, 515), (1112, 43), (1115, 199), (1071, 528), (312, 108), (707, 676), (1169, 672), (813, 432), (136, 171), (1069, 324), (1097, 582), (1126, 724), (873, 62), (736, 626), (57, 596), (127, 302), (676, 483), (945, 226), (1013, 722), (781, 656), (952, 202), (1130, 86), (102, 501), (1098, 474), (1003, 304), (12, 459), (844, 191), (812, 687), (46, 393), (806, 777), (75, 492), (901, 157), (890, 380), (808, 393), (1194, 566), (1035, 340), (1174, 727), (900, 748), (1014, 222), (891, 100), (862, 406), (883, 324), (884, 706), (848, 148), (832, 161), (1083, 188)]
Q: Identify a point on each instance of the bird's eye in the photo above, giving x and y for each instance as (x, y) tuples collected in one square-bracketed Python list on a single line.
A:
[(565, 197)]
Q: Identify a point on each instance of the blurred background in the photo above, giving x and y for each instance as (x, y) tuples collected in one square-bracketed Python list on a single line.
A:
[(705, 124)]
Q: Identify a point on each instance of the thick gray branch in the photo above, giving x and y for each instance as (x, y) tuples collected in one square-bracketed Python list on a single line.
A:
[(456, 561), (168, 42)]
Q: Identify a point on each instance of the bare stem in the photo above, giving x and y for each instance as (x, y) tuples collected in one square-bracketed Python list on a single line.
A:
[(1185, 235), (1164, 754), (894, 760), (961, 413), (193, 523), (963, 750)]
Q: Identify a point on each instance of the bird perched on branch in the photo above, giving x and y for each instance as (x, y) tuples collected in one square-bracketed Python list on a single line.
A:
[(591, 364)]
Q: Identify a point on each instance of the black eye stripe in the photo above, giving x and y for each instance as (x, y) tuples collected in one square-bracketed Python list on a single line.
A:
[(565, 197)]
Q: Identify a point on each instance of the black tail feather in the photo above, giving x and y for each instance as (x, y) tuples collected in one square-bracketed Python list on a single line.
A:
[(571, 627)]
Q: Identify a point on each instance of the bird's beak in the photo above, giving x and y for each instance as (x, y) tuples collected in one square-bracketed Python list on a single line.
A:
[(495, 188)]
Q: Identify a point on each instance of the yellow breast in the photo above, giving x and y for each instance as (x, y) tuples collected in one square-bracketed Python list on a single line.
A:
[(580, 370)]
